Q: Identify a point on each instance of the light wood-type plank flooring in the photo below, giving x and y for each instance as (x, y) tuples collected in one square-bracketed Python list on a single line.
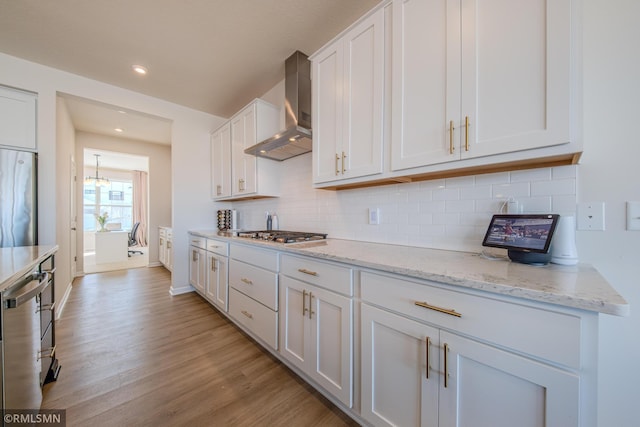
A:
[(133, 355)]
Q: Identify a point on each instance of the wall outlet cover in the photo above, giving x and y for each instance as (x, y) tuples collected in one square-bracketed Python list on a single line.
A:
[(591, 216)]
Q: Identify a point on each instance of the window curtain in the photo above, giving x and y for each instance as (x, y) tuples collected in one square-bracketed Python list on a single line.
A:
[(140, 180)]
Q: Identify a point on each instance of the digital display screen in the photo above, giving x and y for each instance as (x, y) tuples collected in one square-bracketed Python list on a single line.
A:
[(529, 233)]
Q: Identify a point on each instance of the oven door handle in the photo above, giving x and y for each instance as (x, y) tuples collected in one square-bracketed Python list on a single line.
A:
[(27, 292)]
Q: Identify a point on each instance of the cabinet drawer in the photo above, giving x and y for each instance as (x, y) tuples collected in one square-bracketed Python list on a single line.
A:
[(260, 257), (259, 284), (198, 242), (260, 320), (334, 277), (217, 246), (539, 332)]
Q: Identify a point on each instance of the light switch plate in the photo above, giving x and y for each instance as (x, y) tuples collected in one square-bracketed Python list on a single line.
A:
[(591, 216), (374, 216), (633, 215)]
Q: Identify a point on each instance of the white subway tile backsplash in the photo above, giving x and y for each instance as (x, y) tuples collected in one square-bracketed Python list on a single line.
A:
[(536, 204), (447, 213), (462, 181), (504, 191), (492, 178), (475, 192), (560, 172), (446, 194), (528, 175), (459, 206), (553, 188)]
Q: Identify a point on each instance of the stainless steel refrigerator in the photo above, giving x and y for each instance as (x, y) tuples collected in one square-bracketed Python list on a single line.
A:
[(18, 196)]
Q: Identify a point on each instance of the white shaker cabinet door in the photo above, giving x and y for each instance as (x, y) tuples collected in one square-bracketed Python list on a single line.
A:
[(221, 162), (490, 387), (516, 75), (400, 377), (18, 118), (426, 83)]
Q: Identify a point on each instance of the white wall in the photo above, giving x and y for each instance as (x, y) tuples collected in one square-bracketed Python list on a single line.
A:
[(190, 174), (610, 172), (159, 179), (65, 134)]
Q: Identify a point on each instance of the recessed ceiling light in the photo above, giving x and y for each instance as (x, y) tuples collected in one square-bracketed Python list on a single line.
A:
[(139, 69), (118, 129)]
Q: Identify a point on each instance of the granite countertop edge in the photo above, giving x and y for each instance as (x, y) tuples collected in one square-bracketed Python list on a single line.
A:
[(579, 286)]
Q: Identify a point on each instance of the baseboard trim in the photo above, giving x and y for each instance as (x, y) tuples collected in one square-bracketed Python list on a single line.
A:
[(181, 290), (63, 301)]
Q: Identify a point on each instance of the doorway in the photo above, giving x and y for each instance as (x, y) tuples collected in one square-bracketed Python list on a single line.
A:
[(115, 198)]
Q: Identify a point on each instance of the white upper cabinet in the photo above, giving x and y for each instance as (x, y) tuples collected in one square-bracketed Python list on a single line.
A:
[(17, 119), (473, 79), (234, 174), (347, 93), (221, 162)]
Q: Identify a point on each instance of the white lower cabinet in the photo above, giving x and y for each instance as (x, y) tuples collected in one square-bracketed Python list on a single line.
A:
[(197, 263), (417, 375), (316, 335), (208, 272), (217, 285), (253, 291), (428, 370)]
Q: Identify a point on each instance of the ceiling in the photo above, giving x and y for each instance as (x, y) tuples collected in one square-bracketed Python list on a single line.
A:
[(210, 55)]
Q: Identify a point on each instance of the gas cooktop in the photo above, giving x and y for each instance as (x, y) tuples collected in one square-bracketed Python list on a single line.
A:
[(282, 236)]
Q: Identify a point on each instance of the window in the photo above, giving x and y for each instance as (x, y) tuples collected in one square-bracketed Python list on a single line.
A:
[(116, 200)]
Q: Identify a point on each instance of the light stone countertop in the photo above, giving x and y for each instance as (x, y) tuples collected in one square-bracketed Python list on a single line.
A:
[(16, 262), (579, 286)]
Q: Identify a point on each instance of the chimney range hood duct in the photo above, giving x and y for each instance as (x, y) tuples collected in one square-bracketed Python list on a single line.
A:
[(296, 138)]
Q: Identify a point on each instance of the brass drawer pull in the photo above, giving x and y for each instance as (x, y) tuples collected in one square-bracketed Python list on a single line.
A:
[(47, 353), (304, 302), (451, 147), (446, 366), (428, 347), (466, 133), (337, 160), (309, 272), (247, 281), (246, 313), (438, 309)]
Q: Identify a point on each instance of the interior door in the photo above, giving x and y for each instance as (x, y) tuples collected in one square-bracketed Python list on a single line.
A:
[(73, 226)]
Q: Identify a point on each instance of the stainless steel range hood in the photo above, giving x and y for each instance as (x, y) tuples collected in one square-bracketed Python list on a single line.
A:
[(295, 139)]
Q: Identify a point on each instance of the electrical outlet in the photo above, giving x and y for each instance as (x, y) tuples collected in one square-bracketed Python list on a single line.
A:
[(591, 216), (374, 216)]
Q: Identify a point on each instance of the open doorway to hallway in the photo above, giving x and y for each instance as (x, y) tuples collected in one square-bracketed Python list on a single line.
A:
[(115, 213)]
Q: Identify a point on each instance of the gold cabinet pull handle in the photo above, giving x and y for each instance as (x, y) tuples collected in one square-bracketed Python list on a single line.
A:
[(448, 311), (309, 272), (250, 316), (311, 312), (247, 281), (451, 147), (344, 156), (218, 190), (446, 367), (466, 133), (195, 255), (213, 264), (337, 160), (428, 347), (304, 303)]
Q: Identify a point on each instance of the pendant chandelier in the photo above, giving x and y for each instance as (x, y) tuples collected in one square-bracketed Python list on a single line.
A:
[(98, 181)]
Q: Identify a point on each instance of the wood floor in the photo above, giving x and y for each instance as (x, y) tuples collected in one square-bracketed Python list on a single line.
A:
[(132, 355)]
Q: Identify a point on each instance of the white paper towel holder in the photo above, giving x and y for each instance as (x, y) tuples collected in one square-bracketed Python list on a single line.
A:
[(563, 246)]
